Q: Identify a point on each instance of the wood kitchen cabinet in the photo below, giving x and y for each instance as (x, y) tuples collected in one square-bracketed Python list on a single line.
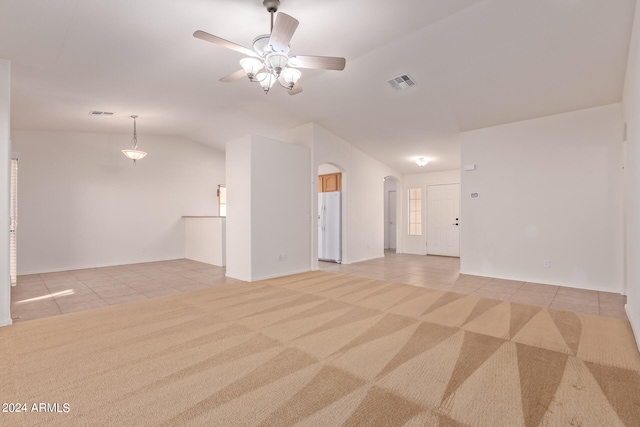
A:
[(330, 182)]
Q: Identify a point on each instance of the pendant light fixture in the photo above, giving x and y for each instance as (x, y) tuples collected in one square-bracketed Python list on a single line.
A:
[(134, 154)]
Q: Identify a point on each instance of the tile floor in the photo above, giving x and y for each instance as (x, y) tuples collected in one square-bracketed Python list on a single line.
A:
[(444, 273), (51, 294)]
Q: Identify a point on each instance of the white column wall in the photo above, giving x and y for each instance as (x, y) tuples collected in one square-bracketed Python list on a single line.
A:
[(631, 103), (5, 160), (280, 202), (268, 212), (238, 161), (549, 189), (84, 204)]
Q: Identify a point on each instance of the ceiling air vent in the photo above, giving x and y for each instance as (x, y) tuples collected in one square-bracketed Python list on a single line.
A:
[(402, 82), (100, 113)]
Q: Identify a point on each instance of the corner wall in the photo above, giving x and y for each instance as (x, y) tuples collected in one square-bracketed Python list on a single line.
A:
[(549, 189), (83, 204), (268, 202), (5, 160), (631, 103), (238, 161)]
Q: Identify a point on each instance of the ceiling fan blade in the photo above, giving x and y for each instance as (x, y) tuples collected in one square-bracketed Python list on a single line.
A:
[(318, 62), (202, 35), (234, 76), (282, 32)]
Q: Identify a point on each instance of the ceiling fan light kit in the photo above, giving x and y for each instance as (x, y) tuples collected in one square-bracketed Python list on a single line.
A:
[(266, 80), (290, 77), (251, 66), (277, 62), (269, 60)]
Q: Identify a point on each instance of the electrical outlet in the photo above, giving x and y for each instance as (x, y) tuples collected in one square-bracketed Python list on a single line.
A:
[(282, 257), (547, 263)]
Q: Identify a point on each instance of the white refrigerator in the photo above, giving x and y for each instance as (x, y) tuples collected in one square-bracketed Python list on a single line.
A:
[(330, 226)]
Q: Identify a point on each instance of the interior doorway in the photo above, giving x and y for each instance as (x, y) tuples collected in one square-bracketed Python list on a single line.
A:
[(443, 220), (390, 214), (330, 221), (391, 220)]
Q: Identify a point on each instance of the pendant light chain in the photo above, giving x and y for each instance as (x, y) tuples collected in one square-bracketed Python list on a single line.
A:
[(135, 134)]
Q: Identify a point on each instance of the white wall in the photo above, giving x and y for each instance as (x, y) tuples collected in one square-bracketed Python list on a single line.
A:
[(362, 195), (366, 206), (5, 159), (325, 169), (549, 188), (238, 181), (82, 203), (631, 102), (205, 240), (391, 184), (270, 179), (418, 244)]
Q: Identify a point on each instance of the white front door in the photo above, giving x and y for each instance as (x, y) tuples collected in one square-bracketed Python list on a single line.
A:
[(391, 215), (443, 220)]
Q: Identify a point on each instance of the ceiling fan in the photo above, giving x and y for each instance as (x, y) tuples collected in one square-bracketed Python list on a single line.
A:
[(269, 60)]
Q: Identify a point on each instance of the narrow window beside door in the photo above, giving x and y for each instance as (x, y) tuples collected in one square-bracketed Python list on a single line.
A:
[(222, 200), (415, 212), (13, 223)]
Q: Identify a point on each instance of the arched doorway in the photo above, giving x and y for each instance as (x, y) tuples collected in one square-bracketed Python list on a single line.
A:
[(391, 213), (330, 213)]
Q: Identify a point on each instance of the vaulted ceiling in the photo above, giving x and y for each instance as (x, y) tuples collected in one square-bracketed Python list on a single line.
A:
[(477, 63)]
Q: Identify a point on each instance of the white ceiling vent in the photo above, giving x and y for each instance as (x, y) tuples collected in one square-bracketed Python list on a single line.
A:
[(100, 113), (402, 82)]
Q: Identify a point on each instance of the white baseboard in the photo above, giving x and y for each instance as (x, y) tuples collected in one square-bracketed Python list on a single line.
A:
[(90, 266), (273, 276)]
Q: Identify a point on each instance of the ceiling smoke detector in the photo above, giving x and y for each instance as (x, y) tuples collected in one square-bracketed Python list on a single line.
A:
[(402, 82)]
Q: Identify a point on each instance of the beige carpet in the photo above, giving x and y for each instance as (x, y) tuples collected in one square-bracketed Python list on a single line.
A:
[(321, 349)]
